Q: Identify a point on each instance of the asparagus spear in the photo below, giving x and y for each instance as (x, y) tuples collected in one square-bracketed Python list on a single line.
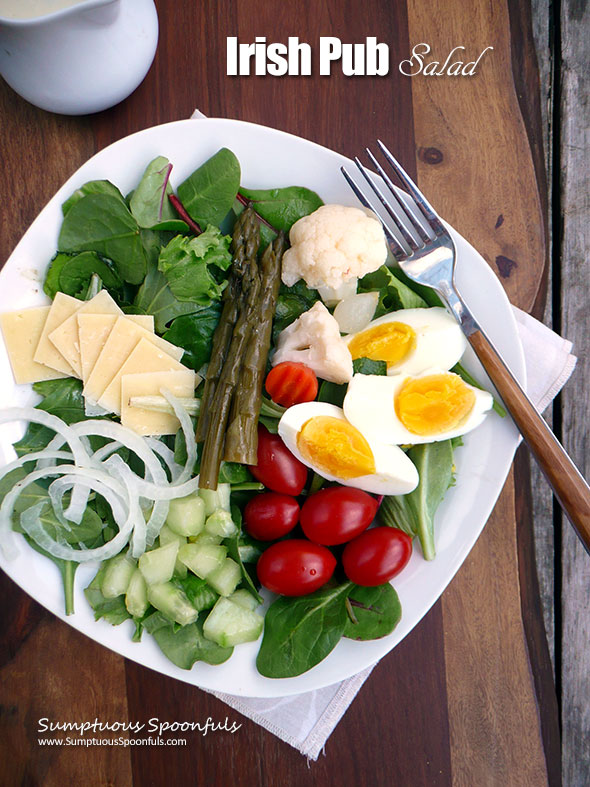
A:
[(218, 411), (245, 241), (241, 441)]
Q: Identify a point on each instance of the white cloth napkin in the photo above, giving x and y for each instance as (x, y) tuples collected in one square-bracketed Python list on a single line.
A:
[(306, 721)]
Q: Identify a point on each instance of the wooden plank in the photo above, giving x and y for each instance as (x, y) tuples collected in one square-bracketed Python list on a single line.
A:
[(504, 226), (543, 504), (575, 210), (48, 669)]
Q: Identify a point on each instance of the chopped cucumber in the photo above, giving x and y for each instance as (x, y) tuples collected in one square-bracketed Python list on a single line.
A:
[(186, 515), (202, 559), (136, 599), (229, 624), (244, 599), (168, 536), (205, 538), (220, 523), (218, 498), (118, 572), (172, 602), (157, 566), (226, 578)]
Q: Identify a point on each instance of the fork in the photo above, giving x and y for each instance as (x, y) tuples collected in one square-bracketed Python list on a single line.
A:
[(426, 253)]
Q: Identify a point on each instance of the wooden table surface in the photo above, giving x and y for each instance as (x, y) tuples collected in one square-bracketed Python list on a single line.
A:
[(468, 697)]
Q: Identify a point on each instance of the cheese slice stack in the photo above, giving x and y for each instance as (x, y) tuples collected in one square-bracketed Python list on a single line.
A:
[(116, 356)]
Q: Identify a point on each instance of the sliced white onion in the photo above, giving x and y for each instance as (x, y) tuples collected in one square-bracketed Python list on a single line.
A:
[(354, 313), (189, 436), (33, 415), (332, 295), (167, 456)]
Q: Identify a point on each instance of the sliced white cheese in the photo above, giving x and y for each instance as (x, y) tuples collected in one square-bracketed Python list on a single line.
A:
[(63, 306), (121, 341), (65, 337), (22, 331), (94, 330), (145, 357), (147, 422)]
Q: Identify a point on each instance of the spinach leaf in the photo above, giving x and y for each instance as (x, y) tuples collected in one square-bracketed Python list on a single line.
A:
[(333, 393), (291, 304), (185, 645), (92, 187), (149, 202), (374, 612), (103, 223), (113, 610), (369, 366), (185, 264), (283, 207), (72, 273), (194, 333), (233, 544), (155, 297), (31, 495), (414, 513), (62, 398), (301, 631), (393, 293), (470, 379), (426, 293), (208, 194)]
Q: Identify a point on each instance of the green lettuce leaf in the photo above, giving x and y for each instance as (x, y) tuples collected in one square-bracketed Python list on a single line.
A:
[(185, 262)]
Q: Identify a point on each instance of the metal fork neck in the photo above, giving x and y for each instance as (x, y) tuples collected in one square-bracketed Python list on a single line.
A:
[(456, 304)]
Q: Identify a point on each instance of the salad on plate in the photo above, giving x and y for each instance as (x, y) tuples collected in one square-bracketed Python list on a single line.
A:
[(248, 416)]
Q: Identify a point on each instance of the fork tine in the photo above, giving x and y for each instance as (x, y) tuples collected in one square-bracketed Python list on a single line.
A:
[(397, 249), (422, 234), (429, 213), (407, 236)]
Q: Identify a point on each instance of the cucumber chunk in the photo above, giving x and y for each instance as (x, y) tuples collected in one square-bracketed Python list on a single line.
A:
[(205, 538), (168, 536), (136, 599), (117, 575), (202, 559), (226, 578), (186, 515), (229, 624), (157, 566), (215, 499), (220, 523), (172, 602), (244, 599)]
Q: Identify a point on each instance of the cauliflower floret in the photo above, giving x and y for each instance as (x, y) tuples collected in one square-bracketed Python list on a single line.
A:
[(333, 245), (314, 339)]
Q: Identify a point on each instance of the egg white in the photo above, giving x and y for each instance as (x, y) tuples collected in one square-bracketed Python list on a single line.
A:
[(395, 473), (439, 339), (369, 405)]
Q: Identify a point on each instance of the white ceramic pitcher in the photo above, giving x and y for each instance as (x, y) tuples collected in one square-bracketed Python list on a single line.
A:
[(82, 58)]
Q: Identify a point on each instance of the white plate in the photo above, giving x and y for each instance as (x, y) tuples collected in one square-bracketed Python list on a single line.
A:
[(268, 158)]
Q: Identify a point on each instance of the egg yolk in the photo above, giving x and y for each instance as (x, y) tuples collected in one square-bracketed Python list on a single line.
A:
[(336, 447), (390, 342), (433, 404)]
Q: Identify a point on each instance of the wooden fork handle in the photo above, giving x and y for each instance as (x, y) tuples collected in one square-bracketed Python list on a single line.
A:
[(568, 484)]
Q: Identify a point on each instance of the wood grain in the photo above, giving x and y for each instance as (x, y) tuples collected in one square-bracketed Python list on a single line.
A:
[(575, 273), (508, 231)]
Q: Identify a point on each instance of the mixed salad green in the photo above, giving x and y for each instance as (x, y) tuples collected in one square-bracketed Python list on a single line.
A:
[(168, 254)]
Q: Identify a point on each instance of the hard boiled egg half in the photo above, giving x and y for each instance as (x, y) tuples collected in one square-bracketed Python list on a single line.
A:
[(410, 340), (409, 409), (320, 436)]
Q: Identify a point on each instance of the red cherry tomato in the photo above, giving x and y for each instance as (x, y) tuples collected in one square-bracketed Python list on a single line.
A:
[(271, 515), (277, 468), (290, 383), (376, 556), (337, 514), (295, 567)]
